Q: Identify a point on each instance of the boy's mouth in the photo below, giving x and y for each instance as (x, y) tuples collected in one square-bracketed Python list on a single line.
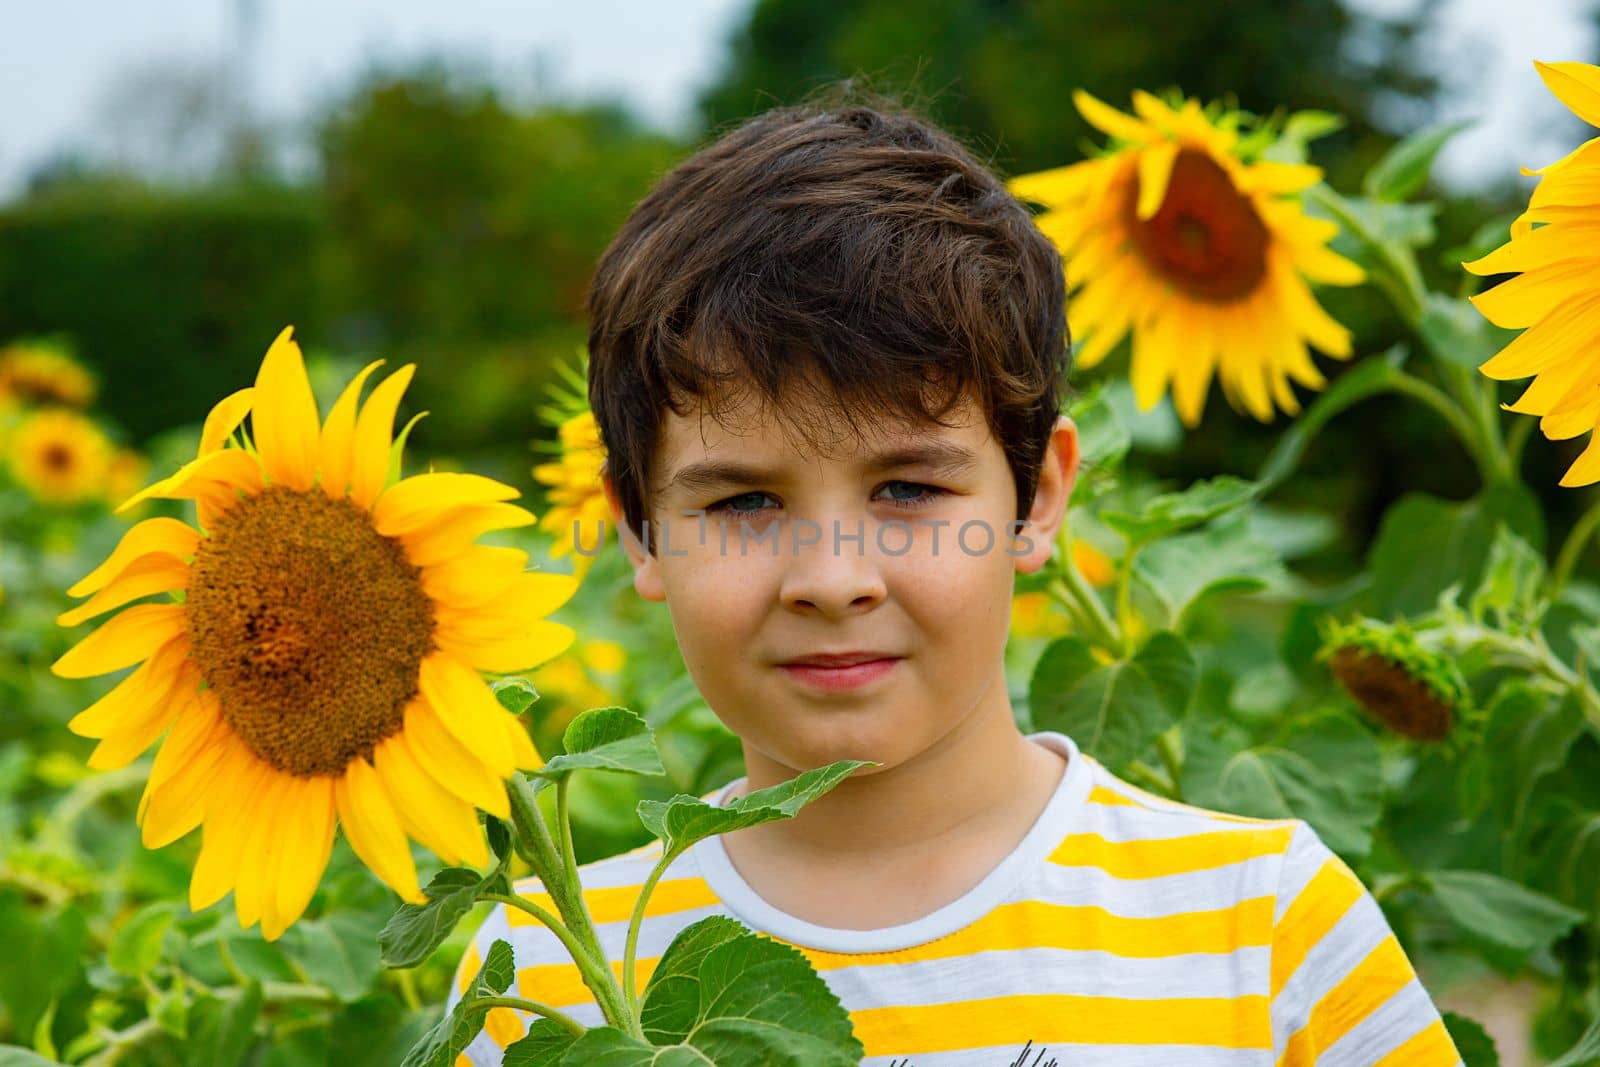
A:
[(840, 670)]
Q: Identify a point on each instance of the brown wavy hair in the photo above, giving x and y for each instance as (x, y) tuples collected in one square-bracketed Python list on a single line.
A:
[(847, 251)]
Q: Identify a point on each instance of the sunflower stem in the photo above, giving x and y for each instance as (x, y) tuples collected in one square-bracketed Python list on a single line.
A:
[(1448, 409), (1167, 744), (596, 975), (629, 986), (521, 1004), (1572, 548), (1074, 593), (570, 901), (1515, 440)]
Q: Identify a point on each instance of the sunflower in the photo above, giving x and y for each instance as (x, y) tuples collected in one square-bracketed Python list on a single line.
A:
[(1555, 296), (59, 456), (322, 667), (39, 374), (1202, 255), (578, 507)]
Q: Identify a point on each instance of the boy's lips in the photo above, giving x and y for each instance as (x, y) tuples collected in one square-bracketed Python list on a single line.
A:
[(840, 670), (836, 659)]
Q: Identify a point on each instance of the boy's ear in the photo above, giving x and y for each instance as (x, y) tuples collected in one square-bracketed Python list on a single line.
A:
[(1057, 475), (646, 571)]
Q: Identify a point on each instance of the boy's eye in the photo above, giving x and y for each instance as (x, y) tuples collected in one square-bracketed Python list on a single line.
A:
[(919, 495)]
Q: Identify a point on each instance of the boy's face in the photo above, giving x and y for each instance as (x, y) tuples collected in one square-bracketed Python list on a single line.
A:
[(762, 580)]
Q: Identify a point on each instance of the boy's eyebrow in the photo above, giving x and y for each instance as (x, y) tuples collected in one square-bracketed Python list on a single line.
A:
[(943, 457)]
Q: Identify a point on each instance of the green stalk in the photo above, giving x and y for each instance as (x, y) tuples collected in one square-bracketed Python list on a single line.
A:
[(596, 975), (1081, 601), (1573, 547), (1515, 440), (521, 1004), (1167, 746), (629, 986), (1448, 409)]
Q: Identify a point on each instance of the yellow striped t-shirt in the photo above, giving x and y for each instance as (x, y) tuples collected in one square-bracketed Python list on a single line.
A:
[(1125, 930)]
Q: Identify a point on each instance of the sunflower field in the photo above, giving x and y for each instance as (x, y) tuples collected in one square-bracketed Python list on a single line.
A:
[(293, 695)]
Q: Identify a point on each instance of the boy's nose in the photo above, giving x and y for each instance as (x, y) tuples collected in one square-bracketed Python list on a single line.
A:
[(835, 576)]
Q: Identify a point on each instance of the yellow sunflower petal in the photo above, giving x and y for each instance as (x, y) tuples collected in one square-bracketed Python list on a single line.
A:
[(152, 535), (451, 763), (229, 811), (523, 751), (1153, 110), (1575, 84), (421, 499), (1155, 170), (1109, 120), (339, 435), (1268, 176), (1054, 186), (214, 475), (1546, 244), (307, 840), (467, 708), (253, 888), (1564, 334), (224, 419), (1327, 266), (539, 643), (1522, 301), (129, 699), (154, 573), (373, 829), (1155, 350), (285, 423), (475, 577), (1551, 388), (129, 638), (523, 599), (369, 464), (438, 541), (178, 790), (432, 814), (1567, 424), (1585, 470)]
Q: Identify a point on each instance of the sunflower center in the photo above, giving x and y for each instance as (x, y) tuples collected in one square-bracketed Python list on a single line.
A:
[(57, 458), (1206, 238), (1392, 695), (310, 625)]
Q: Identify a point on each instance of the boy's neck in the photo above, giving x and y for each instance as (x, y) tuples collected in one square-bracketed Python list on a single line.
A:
[(984, 781)]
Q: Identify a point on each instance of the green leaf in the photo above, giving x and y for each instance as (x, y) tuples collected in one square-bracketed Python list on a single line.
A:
[(1404, 169), (1585, 1053), (17, 1056), (1171, 512), (725, 996), (1512, 585), (545, 1043), (340, 951), (606, 739), (1224, 556), (515, 694), (1456, 333), (1323, 768), (1500, 914), (1103, 443), (684, 819), (170, 1010), (1528, 735), (1114, 710), (1425, 544), (415, 930), (222, 1030), (1471, 1040), (441, 1045), (136, 947)]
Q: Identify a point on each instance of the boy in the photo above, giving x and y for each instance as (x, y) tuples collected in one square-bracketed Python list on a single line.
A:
[(826, 354)]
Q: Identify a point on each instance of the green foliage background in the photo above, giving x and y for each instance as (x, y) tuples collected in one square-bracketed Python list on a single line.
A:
[(447, 225)]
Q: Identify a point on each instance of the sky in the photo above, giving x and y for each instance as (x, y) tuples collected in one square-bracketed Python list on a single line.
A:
[(64, 63)]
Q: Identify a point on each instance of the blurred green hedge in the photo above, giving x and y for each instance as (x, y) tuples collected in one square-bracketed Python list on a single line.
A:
[(171, 298)]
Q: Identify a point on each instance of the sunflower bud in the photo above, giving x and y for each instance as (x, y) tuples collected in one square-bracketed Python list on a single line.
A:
[(1414, 692)]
